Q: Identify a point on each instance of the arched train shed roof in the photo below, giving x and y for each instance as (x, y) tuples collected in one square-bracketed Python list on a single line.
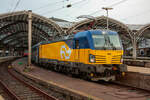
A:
[(14, 29), (144, 31), (100, 23)]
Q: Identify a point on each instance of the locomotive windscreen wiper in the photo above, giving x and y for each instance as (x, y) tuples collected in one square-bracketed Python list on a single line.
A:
[(112, 45), (107, 41)]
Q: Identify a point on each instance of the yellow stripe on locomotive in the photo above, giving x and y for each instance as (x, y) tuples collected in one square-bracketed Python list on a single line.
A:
[(62, 52)]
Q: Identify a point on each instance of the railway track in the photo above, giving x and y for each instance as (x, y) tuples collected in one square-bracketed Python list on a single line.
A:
[(3, 94), (18, 89), (102, 90)]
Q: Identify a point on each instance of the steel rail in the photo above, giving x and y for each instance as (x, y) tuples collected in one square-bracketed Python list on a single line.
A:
[(9, 92), (45, 95)]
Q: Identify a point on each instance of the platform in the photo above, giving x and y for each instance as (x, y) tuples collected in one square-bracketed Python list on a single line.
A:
[(2, 59), (138, 69), (140, 61), (89, 89)]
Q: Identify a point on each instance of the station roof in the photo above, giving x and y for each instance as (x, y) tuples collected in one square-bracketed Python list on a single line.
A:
[(62, 23), (143, 33), (135, 26), (14, 29), (65, 25), (100, 23)]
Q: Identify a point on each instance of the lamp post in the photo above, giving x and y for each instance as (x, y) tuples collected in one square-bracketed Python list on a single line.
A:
[(107, 8)]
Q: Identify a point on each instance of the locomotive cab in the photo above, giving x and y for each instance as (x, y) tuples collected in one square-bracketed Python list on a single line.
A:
[(105, 54), (106, 43)]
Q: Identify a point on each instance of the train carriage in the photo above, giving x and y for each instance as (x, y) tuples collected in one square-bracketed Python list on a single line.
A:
[(93, 54)]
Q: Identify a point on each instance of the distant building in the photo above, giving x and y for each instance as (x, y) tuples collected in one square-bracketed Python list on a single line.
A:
[(143, 47)]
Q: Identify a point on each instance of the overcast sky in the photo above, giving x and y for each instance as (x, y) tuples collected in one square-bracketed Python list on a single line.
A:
[(126, 11)]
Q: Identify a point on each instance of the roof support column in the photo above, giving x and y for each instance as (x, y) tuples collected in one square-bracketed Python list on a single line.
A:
[(134, 47), (10, 51), (4, 52), (29, 36)]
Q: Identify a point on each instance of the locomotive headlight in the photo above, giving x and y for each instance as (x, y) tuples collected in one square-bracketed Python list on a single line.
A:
[(91, 58), (103, 32)]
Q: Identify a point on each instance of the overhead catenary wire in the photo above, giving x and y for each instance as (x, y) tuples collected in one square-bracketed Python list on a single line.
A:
[(49, 4), (52, 11), (115, 4), (137, 15), (57, 9), (78, 2), (16, 5), (11, 6)]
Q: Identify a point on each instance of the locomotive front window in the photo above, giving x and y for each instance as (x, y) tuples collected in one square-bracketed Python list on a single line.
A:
[(114, 40), (99, 40), (109, 41)]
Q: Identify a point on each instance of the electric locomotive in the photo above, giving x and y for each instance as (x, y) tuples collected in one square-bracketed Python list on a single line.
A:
[(91, 54)]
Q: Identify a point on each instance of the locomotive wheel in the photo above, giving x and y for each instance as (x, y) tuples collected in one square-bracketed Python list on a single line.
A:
[(85, 76)]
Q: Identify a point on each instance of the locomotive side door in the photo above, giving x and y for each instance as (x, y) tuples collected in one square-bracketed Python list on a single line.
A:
[(76, 50)]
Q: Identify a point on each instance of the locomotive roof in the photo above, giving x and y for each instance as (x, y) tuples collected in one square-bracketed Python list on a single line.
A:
[(78, 35), (90, 32)]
